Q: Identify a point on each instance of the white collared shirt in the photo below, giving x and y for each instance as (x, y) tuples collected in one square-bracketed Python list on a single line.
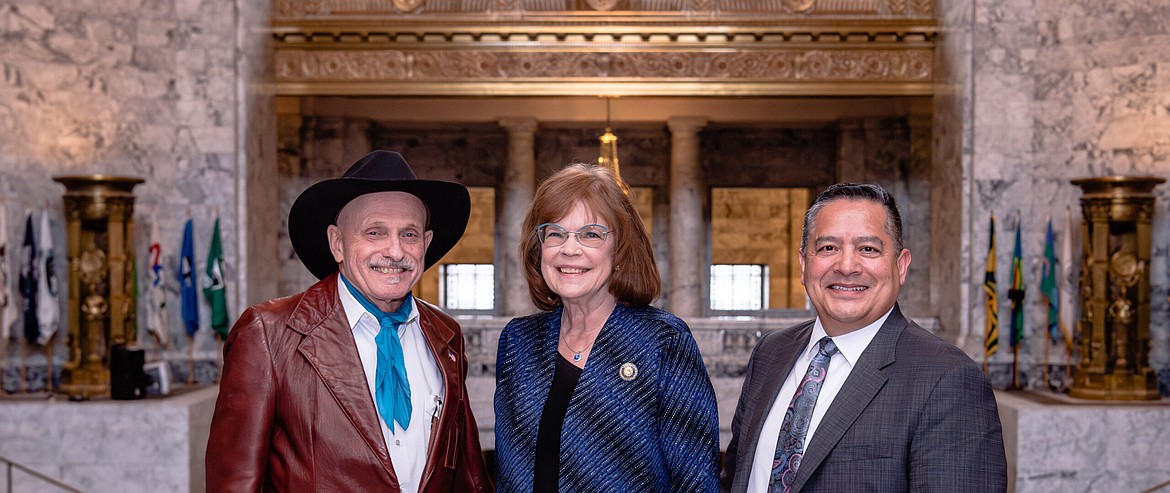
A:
[(850, 346), (408, 448)]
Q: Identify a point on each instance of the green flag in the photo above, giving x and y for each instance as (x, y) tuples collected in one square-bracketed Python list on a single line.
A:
[(213, 285)]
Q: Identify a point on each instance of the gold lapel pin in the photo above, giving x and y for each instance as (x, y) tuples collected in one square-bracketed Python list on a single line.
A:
[(628, 371)]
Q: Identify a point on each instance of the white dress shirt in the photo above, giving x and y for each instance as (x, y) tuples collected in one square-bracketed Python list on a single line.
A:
[(408, 448), (850, 346)]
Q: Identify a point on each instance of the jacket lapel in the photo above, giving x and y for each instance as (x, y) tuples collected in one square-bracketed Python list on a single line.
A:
[(328, 347), (770, 371), (863, 384)]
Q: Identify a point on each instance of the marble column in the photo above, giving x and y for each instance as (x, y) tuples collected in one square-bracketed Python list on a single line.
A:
[(687, 227), (515, 195)]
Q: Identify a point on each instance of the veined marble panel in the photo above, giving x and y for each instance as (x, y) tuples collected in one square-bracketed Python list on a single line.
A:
[(109, 446), (1056, 443)]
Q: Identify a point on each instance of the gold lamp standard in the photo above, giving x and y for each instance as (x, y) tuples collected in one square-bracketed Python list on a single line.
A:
[(609, 156)]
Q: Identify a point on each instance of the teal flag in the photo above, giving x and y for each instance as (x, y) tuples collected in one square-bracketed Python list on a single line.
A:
[(1048, 284), (1016, 293)]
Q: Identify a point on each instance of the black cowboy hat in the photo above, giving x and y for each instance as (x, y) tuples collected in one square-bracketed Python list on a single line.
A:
[(379, 171)]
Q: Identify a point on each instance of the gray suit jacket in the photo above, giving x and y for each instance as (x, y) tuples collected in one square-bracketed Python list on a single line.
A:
[(915, 414)]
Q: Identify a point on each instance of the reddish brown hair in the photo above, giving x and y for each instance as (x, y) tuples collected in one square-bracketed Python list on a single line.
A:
[(635, 279)]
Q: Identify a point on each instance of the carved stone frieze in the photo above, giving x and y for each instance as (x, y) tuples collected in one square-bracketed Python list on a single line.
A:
[(692, 47), (318, 9), (468, 66)]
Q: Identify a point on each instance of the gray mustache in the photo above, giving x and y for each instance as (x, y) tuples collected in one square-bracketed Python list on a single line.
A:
[(404, 265)]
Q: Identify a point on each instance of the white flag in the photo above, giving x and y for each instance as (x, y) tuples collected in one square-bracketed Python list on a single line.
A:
[(1066, 281), (157, 321), (48, 306), (8, 302)]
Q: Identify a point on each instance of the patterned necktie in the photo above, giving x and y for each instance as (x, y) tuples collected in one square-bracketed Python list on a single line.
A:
[(790, 444), (391, 387)]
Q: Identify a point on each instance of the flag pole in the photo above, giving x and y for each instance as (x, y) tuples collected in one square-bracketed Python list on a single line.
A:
[(190, 359), (23, 366), (1016, 367), (219, 361), (1047, 384), (49, 365)]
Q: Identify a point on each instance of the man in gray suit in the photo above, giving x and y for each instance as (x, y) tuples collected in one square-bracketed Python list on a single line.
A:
[(861, 398)]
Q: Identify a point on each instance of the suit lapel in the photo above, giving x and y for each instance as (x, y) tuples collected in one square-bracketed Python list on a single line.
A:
[(863, 384), (328, 347), (769, 372)]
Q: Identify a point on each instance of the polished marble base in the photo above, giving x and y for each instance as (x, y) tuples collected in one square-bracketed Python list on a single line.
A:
[(1058, 443), (154, 444)]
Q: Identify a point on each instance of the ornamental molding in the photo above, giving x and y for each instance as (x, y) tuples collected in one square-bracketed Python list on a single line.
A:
[(455, 66), (305, 9), (369, 47)]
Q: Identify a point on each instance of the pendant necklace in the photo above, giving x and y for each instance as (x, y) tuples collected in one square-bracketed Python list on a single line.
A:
[(576, 353)]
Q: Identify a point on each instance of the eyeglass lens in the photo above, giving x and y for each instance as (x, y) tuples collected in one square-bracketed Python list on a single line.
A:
[(592, 235)]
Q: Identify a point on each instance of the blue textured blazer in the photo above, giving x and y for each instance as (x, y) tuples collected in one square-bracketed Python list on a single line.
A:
[(658, 432)]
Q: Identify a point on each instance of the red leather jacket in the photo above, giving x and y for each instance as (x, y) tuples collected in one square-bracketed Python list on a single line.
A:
[(294, 412)]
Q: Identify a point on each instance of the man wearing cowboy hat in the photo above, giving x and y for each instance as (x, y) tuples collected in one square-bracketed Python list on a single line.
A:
[(353, 385)]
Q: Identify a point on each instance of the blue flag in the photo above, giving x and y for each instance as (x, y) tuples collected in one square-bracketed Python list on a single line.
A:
[(190, 297), (28, 282)]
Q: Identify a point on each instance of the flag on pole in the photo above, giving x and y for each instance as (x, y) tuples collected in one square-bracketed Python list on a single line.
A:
[(1016, 293), (8, 313), (28, 281), (1067, 281), (1048, 283), (157, 320), (213, 285), (48, 303), (991, 304), (190, 298)]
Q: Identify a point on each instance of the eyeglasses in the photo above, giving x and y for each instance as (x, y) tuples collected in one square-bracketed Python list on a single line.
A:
[(590, 235)]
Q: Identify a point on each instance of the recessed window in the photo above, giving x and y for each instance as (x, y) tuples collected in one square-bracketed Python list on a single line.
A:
[(739, 287), (468, 286)]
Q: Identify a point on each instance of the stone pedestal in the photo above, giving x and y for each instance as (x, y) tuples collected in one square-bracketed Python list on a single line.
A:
[(109, 446), (1059, 443)]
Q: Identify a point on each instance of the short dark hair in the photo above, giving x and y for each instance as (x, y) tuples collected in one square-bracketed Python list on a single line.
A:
[(635, 280), (871, 192)]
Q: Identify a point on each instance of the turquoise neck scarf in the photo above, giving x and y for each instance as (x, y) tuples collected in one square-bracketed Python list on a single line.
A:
[(392, 389)]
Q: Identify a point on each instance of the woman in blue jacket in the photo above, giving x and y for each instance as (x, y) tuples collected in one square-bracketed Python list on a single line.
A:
[(599, 391)]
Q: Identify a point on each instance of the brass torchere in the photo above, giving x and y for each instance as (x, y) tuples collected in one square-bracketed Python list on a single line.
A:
[(1115, 289), (99, 213)]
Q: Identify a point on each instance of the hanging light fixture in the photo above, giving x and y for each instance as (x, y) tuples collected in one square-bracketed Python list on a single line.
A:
[(609, 156)]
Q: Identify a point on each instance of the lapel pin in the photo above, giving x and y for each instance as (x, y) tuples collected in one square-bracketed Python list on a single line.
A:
[(628, 371), (451, 354)]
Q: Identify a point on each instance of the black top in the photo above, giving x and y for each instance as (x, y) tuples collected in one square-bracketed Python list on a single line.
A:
[(548, 436)]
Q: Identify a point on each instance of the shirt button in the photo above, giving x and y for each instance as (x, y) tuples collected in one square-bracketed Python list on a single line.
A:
[(398, 442)]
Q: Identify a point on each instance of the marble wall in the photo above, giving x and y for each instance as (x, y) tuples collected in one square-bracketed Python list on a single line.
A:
[(1031, 95), (167, 91)]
